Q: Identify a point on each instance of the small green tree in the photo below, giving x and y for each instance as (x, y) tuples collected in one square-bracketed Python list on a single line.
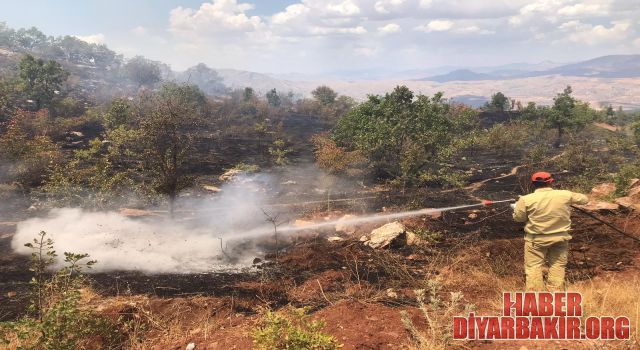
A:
[(324, 94), (567, 113), (272, 98), (119, 114), (279, 152), (499, 102), (40, 80), (142, 71), (168, 123), (248, 94)]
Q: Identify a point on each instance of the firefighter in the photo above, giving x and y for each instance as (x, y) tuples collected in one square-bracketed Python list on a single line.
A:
[(547, 214)]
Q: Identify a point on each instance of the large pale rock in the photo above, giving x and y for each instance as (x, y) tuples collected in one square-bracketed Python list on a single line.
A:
[(383, 236), (629, 203), (600, 206), (603, 190), (634, 192)]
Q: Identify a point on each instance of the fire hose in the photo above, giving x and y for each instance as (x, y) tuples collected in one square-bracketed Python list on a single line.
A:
[(613, 227), (583, 211)]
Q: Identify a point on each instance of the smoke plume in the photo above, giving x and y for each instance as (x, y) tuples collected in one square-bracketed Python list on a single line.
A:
[(210, 233)]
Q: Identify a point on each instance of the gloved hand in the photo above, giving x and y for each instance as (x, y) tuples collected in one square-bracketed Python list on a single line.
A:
[(513, 206)]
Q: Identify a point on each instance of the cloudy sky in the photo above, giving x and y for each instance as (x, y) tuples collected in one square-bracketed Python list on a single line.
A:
[(314, 36)]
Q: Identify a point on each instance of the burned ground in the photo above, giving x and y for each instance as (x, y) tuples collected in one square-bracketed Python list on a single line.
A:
[(357, 290)]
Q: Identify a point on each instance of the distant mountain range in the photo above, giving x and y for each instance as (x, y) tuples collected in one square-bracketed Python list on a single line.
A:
[(98, 72), (612, 66)]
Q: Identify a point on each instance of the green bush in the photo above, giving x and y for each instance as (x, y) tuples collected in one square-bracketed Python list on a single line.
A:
[(623, 177), (57, 320), (408, 139), (635, 129), (292, 330)]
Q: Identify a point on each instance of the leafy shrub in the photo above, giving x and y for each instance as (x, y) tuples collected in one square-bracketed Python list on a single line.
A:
[(623, 177), (57, 319), (91, 178), (279, 152), (27, 160), (407, 138), (428, 235), (337, 160), (509, 138), (635, 130), (292, 330), (584, 166)]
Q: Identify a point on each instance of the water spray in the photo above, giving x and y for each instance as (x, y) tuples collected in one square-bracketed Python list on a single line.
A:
[(372, 218)]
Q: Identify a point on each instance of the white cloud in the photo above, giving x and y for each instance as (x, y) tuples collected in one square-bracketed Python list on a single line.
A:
[(290, 13), (599, 34), (344, 8), (218, 16), (139, 30), (342, 32), (436, 26), (329, 30), (92, 39), (473, 29), (386, 6), (583, 9), (570, 25), (425, 4), (390, 28), (553, 10)]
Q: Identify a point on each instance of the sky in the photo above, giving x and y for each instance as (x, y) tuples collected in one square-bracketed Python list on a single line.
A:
[(316, 36)]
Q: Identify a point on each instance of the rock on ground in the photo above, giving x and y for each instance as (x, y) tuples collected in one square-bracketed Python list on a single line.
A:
[(603, 190), (599, 206), (384, 236)]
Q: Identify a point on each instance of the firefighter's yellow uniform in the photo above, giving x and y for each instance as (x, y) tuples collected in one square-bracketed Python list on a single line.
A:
[(547, 214)]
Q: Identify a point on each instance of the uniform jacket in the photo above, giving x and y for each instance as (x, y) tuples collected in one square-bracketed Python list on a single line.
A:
[(547, 211)]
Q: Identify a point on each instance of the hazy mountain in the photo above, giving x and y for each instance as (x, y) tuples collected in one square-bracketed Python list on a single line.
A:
[(459, 75), (612, 66)]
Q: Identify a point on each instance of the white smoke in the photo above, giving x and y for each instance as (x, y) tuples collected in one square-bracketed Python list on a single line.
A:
[(158, 244), (223, 231)]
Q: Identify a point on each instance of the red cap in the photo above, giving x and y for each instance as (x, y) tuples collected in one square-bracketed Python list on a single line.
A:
[(542, 176)]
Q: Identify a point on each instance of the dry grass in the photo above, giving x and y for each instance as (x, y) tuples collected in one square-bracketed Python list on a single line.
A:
[(481, 276), (613, 296)]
